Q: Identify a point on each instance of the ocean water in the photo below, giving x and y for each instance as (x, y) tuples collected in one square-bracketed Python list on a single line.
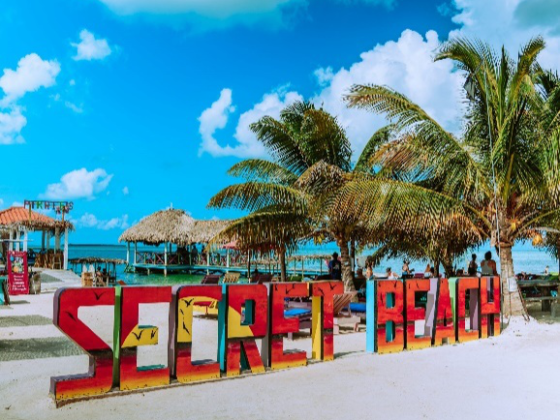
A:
[(526, 258)]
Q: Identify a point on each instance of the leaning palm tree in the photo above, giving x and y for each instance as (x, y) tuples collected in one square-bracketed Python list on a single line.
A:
[(311, 162), (501, 173)]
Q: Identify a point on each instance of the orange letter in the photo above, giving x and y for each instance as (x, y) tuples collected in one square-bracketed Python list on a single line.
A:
[(390, 319), (415, 313)]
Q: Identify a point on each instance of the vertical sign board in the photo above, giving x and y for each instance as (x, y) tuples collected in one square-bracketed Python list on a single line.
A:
[(18, 278)]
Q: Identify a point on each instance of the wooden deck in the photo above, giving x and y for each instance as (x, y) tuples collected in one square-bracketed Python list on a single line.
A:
[(210, 269)]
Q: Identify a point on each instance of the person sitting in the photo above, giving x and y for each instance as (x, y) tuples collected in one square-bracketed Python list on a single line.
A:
[(391, 275), (335, 267), (359, 280), (488, 265), (473, 266)]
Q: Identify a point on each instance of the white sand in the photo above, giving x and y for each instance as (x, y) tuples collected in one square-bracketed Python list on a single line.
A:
[(513, 376)]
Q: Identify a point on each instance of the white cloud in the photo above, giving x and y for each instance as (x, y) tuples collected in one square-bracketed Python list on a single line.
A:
[(79, 183), (1, 202), (11, 124), (114, 223), (17, 204), (90, 221), (89, 48), (512, 23), (246, 145), (125, 191), (77, 109), (31, 74), (405, 65)]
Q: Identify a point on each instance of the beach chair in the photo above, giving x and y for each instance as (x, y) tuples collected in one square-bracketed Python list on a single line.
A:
[(303, 314), (261, 278), (57, 261), (231, 278), (342, 314), (210, 279)]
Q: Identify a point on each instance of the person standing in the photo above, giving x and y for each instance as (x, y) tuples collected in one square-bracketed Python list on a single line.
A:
[(335, 267), (473, 266), (428, 271), (488, 265), (405, 269)]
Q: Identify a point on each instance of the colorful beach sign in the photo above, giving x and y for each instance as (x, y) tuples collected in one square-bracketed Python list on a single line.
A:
[(400, 315)]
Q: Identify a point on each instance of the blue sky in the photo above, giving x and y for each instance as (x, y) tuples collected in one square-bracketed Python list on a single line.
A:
[(129, 106)]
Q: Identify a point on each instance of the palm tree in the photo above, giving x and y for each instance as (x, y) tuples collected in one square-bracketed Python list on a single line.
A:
[(288, 198), (502, 173)]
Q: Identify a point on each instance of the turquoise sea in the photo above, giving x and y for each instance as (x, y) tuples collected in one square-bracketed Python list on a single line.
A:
[(526, 258)]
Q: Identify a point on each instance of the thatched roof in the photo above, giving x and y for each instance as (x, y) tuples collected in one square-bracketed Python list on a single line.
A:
[(20, 217), (174, 226), (204, 230)]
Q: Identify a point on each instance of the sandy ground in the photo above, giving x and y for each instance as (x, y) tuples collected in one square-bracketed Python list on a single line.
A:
[(514, 376)]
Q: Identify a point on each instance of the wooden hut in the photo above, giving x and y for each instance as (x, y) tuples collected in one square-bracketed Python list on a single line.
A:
[(17, 222), (170, 227)]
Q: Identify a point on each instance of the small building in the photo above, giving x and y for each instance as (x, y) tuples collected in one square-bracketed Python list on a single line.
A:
[(173, 228), (17, 222)]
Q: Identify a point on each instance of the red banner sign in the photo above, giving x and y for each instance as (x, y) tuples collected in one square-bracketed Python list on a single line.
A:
[(18, 279)]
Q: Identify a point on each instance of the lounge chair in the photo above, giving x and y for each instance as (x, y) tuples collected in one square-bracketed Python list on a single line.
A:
[(261, 278), (344, 318), (231, 278), (304, 316), (210, 279)]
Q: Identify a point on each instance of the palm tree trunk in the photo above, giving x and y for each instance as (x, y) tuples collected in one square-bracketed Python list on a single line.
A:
[(512, 301), (282, 255), (347, 276)]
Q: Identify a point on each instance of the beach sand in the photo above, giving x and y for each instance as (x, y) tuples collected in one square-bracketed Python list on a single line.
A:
[(513, 376)]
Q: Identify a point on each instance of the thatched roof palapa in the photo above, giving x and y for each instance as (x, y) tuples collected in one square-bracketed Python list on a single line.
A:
[(163, 226), (173, 226), (204, 230)]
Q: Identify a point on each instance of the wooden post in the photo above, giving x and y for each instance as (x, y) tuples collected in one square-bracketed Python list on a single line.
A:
[(25, 240), (65, 266), (18, 238), (353, 255), (135, 252), (227, 258), (207, 259), (127, 253), (11, 244), (165, 259), (57, 239)]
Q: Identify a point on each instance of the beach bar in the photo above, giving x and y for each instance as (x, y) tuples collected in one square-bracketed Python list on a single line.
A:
[(179, 234), (17, 222)]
